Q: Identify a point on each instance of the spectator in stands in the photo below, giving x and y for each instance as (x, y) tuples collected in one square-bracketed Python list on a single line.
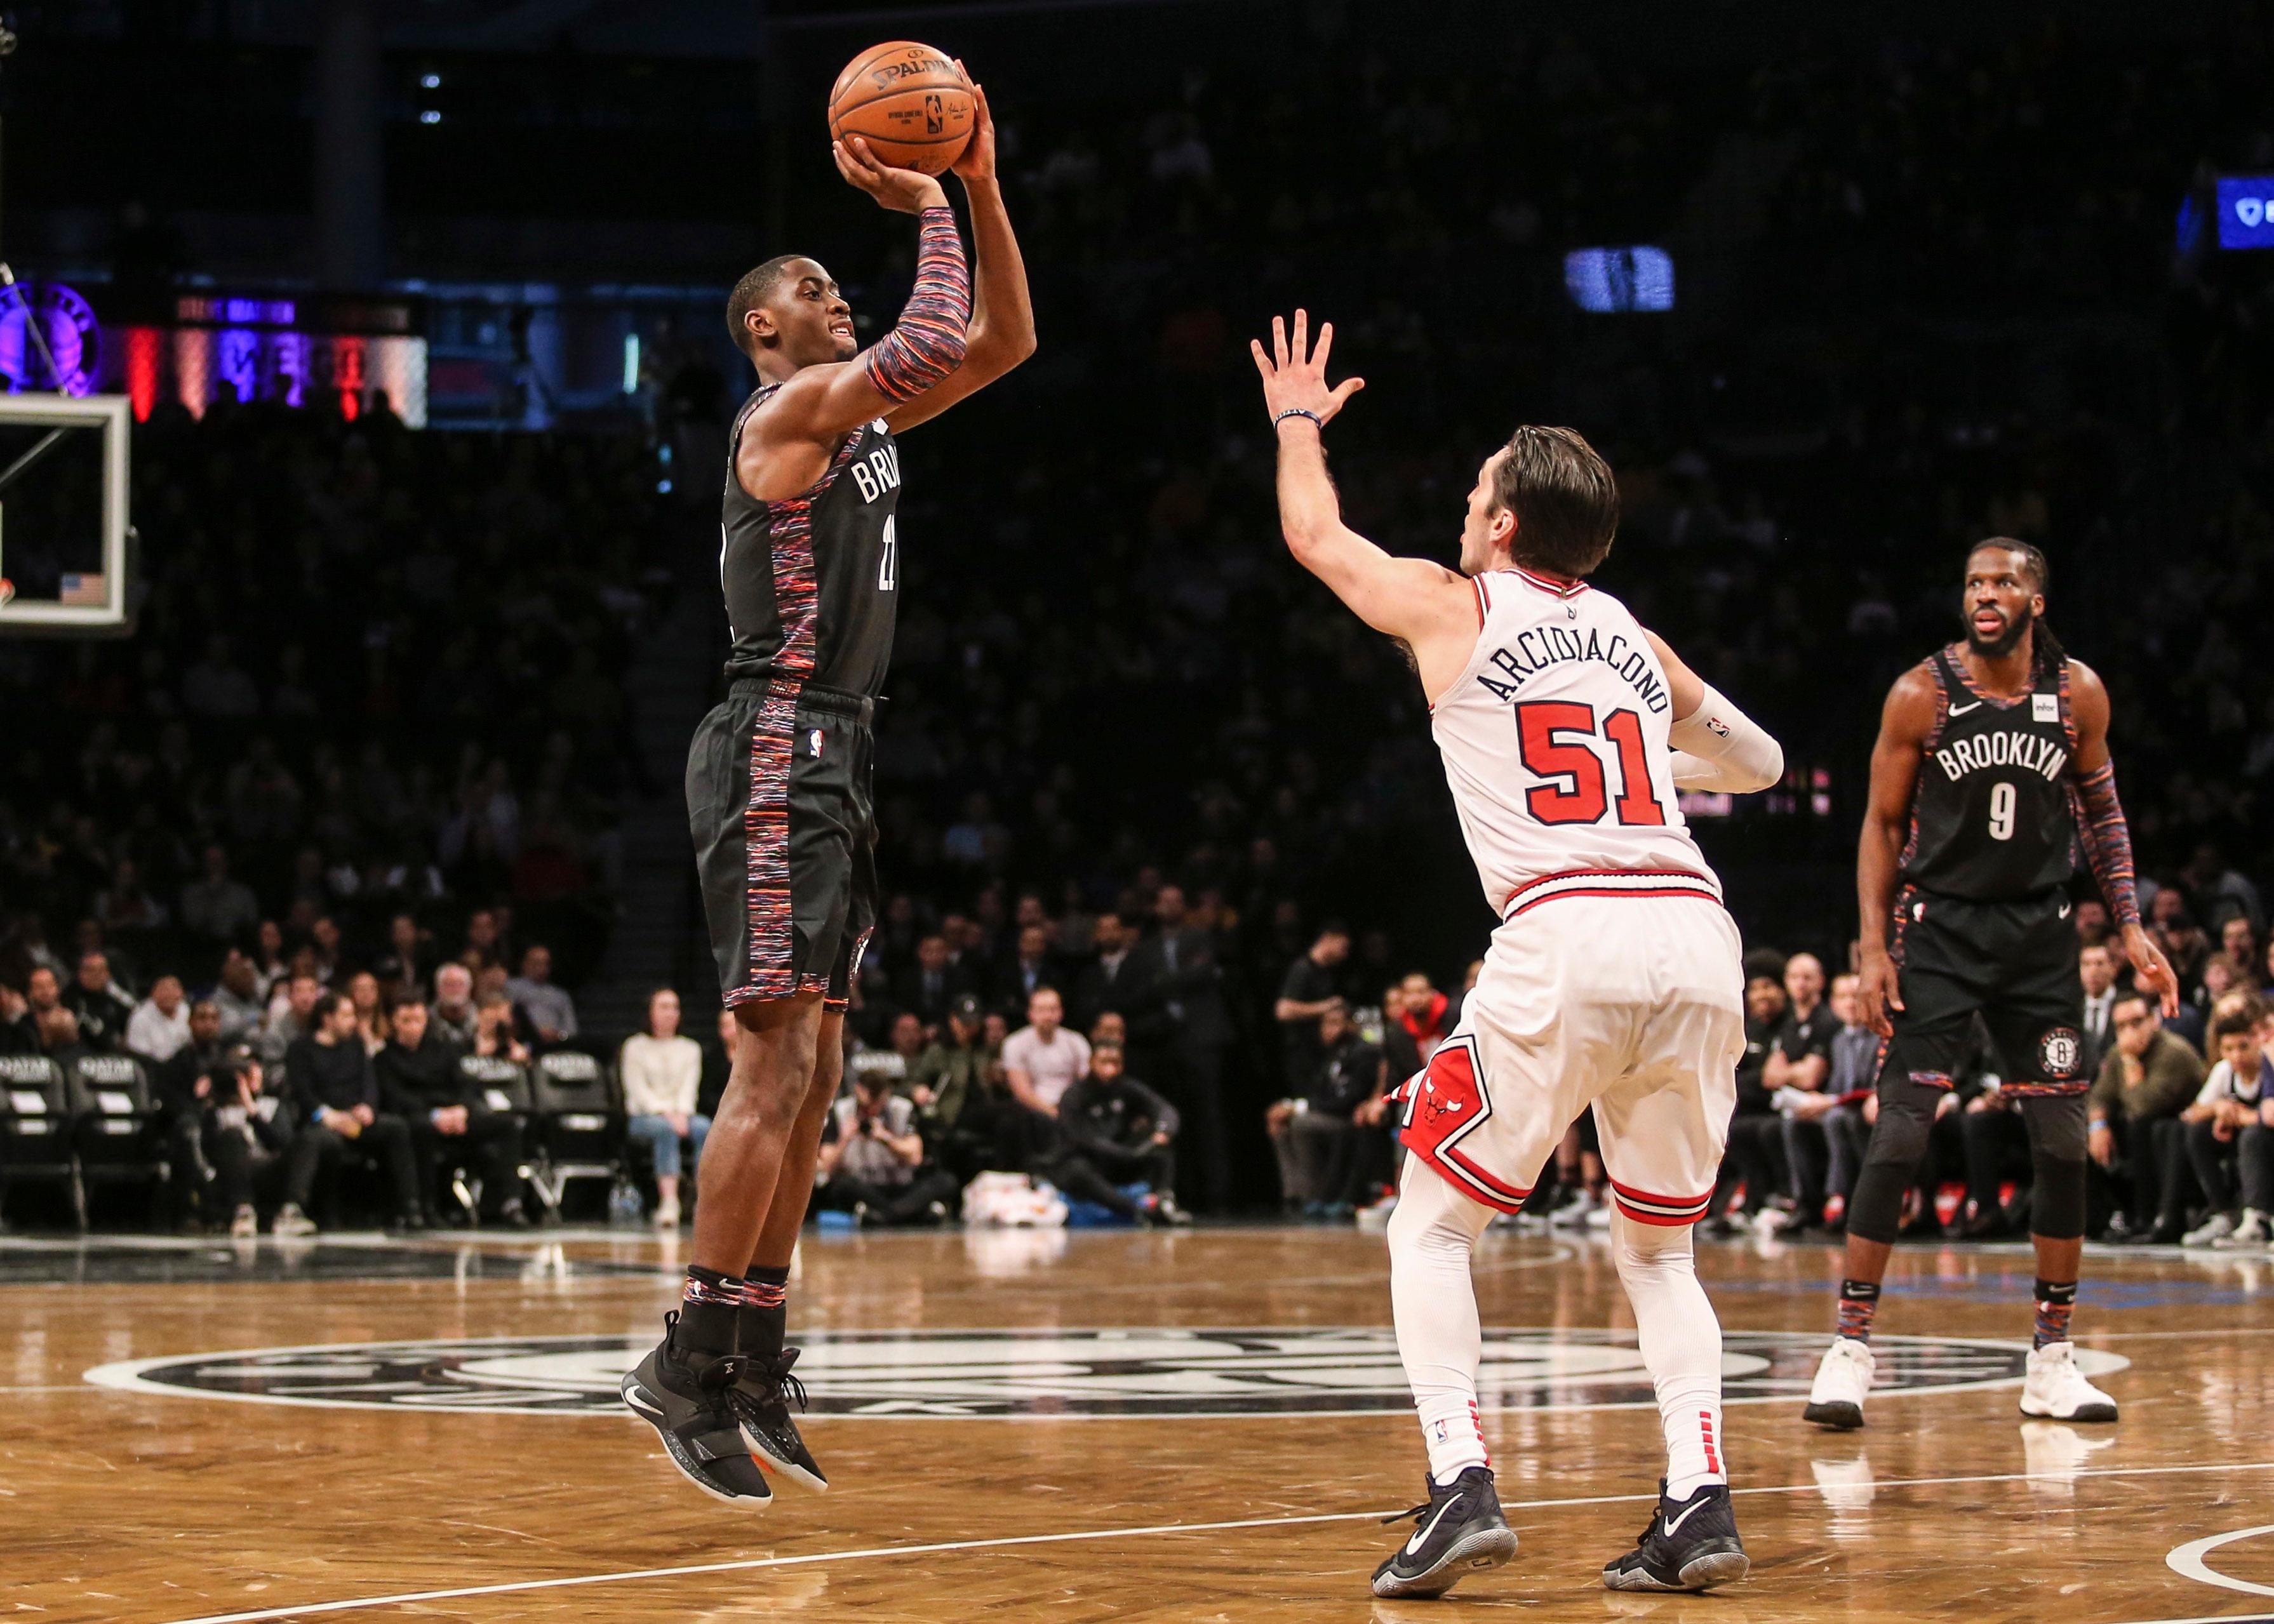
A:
[(1031, 968), (1797, 1070), (182, 1087), (19, 1032), (908, 1042), (2095, 966), (872, 1159), (2136, 1136), (2229, 1143), (1114, 1130), (934, 982), (1824, 1133), (1042, 1059), (1755, 1155), (453, 1129), (238, 997), (371, 1012), (548, 1009), (248, 1138), (452, 1012), (161, 1023), (402, 966), (662, 1075), (294, 1021), (1310, 987), (1182, 1029), (968, 1117), (335, 1094), (1106, 981), (1327, 1156), (59, 1038), (495, 1031), (217, 909), (2238, 939), (100, 1005)]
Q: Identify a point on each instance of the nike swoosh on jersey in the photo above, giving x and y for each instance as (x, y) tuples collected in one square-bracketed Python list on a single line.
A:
[(1428, 1527), (1963, 709), (1687, 1511)]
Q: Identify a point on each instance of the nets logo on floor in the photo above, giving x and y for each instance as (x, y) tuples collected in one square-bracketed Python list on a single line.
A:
[(1057, 1373)]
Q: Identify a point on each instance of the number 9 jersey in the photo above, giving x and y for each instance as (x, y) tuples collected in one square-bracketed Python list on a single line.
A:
[(1992, 817), (1554, 740)]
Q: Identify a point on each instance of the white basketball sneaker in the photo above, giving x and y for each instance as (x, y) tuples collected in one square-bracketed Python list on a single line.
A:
[(2216, 1228), (2056, 1390), (1836, 1399), (2251, 1232)]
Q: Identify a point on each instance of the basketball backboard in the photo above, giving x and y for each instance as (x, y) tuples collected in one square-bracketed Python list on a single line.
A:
[(63, 531)]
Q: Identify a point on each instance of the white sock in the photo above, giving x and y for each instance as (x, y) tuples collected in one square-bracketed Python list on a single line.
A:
[(1681, 1345), (1431, 1235)]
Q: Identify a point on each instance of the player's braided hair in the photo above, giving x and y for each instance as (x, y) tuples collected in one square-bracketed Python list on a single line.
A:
[(2046, 655)]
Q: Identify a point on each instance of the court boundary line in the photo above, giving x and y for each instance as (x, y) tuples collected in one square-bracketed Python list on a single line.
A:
[(1002, 1542), (126, 1376), (2187, 1560)]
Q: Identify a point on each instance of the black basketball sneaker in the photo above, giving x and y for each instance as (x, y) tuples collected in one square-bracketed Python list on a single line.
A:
[(1458, 1529), (688, 1398), (1689, 1545), (762, 1399)]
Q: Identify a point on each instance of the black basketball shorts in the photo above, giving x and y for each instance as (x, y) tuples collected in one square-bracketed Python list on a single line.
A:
[(779, 800), (2013, 962)]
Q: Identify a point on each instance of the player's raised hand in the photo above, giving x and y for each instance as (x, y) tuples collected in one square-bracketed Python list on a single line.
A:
[(2151, 972), (1295, 371), (906, 191), (977, 161)]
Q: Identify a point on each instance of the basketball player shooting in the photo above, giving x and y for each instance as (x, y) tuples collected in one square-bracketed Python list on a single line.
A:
[(1613, 981), (1991, 768), (779, 776)]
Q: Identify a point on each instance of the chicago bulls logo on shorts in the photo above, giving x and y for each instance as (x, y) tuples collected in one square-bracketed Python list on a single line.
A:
[(1446, 1103)]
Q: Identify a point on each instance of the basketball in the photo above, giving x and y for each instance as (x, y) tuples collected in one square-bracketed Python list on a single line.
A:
[(910, 103)]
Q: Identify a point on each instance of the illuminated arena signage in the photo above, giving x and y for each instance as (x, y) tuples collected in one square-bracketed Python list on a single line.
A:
[(303, 349), (66, 321), (2246, 211), (1044, 1374)]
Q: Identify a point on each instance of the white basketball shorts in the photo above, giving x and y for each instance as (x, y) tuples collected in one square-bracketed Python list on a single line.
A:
[(1624, 992)]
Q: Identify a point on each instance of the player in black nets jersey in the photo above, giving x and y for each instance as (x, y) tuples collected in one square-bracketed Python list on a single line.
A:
[(779, 777), (1991, 769)]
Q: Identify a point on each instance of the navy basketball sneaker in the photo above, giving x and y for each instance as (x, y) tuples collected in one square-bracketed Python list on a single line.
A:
[(688, 1398), (762, 1399), (1689, 1545), (1459, 1529)]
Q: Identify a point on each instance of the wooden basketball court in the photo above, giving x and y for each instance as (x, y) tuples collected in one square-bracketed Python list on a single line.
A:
[(1199, 1425)]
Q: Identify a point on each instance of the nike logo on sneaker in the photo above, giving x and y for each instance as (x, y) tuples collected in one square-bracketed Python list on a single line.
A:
[(1673, 1523), (638, 1400), (1423, 1532), (1963, 709)]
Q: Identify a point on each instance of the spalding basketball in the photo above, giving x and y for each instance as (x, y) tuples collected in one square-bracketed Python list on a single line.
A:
[(908, 101)]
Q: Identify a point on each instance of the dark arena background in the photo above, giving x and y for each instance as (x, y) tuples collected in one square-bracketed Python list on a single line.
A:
[(367, 401)]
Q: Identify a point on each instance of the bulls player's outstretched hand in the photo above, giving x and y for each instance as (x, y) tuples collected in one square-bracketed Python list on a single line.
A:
[(2151, 972), (906, 191), (1295, 372)]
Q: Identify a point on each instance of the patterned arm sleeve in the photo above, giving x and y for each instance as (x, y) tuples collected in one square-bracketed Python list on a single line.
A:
[(2107, 842), (928, 342)]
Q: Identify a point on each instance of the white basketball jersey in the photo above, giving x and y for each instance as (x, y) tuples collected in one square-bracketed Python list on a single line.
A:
[(1555, 738)]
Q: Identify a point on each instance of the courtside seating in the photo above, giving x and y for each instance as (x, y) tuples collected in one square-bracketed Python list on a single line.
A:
[(35, 1127), (115, 1114), (501, 1086), (577, 1129)]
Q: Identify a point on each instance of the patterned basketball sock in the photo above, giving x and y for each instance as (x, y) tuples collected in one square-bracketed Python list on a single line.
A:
[(2056, 1302), (761, 1318), (706, 1309), (1859, 1301)]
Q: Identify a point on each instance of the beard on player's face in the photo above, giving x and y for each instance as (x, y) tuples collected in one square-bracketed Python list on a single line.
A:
[(2017, 624)]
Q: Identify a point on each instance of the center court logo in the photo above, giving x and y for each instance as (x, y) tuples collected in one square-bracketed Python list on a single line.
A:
[(1043, 1374)]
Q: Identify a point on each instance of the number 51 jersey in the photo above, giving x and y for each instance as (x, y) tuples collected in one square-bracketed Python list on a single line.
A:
[(1554, 739)]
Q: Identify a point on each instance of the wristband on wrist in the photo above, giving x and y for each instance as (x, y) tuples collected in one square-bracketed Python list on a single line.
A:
[(1278, 418)]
